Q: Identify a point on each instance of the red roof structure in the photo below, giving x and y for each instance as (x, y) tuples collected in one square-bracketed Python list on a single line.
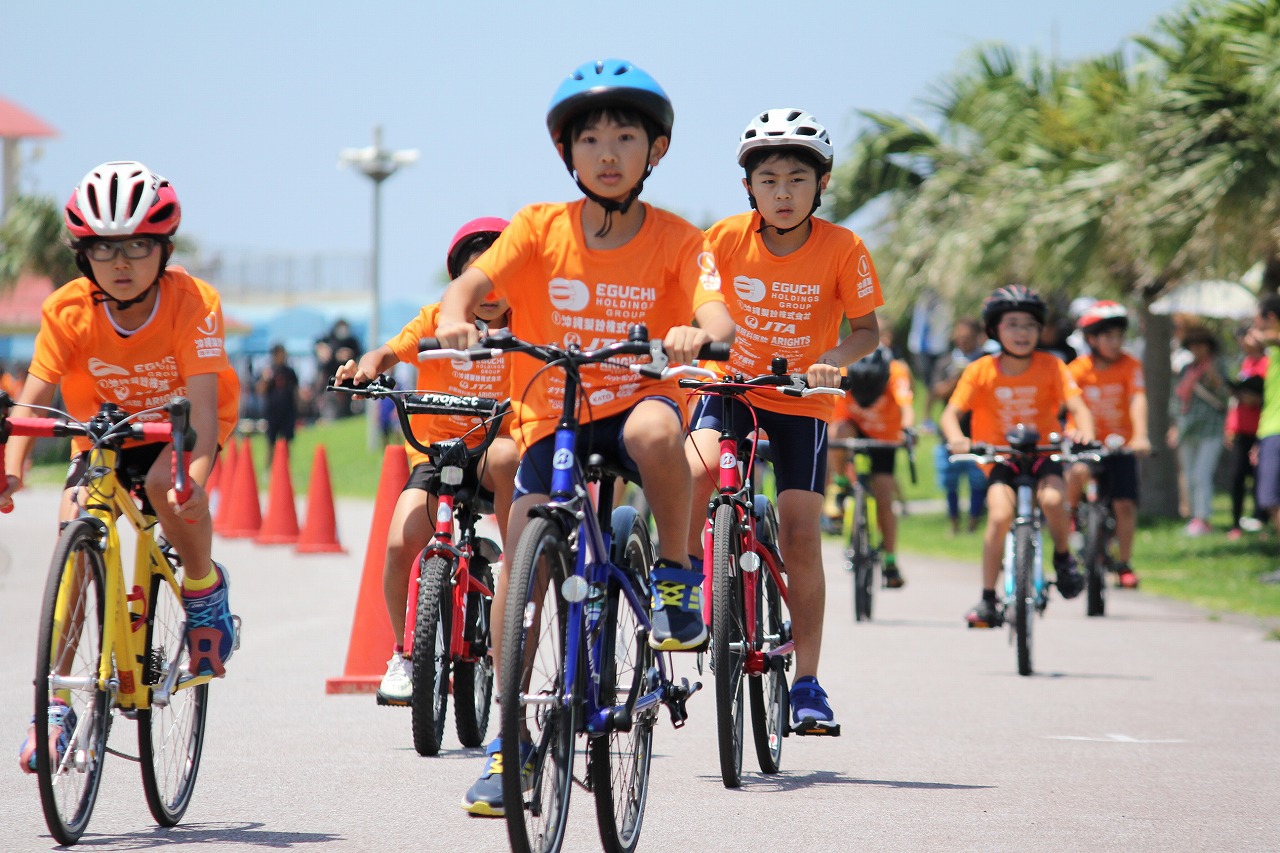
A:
[(17, 123), (20, 304)]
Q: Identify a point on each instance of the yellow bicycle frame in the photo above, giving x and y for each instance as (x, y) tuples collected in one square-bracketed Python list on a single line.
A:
[(120, 667)]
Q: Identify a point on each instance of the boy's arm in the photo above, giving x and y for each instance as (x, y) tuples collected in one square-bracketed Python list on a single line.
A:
[(455, 328), (36, 392), (202, 391), (1083, 418), (863, 337), (1141, 441), (949, 423)]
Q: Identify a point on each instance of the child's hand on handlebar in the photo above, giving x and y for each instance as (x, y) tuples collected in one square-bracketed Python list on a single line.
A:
[(960, 445), (461, 335), (683, 342), (823, 374)]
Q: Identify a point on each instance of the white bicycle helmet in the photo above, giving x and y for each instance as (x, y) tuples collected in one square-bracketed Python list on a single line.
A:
[(122, 199), (786, 128)]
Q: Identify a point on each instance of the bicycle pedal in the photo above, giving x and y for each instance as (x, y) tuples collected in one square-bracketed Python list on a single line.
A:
[(810, 728), (391, 703), (235, 645)]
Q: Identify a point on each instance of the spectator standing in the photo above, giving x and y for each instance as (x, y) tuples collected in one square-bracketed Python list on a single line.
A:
[(278, 388), (928, 340), (336, 348), (1242, 433), (1198, 409), (968, 341)]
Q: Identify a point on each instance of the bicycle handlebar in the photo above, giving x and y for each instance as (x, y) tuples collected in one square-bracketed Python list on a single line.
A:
[(790, 384), (492, 412), (862, 445), (638, 343), (110, 427)]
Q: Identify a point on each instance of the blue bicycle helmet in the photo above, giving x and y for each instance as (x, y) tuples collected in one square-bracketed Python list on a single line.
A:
[(609, 83)]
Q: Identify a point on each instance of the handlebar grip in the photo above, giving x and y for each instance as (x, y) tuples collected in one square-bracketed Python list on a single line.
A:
[(425, 344), (846, 382), (180, 420), (714, 351)]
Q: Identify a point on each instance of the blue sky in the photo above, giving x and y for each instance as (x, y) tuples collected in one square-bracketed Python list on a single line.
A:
[(245, 105)]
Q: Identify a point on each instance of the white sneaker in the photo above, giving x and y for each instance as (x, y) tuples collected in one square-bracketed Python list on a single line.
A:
[(397, 685)]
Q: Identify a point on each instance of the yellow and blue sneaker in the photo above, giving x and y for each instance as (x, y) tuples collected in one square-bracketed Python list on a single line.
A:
[(484, 798), (676, 599)]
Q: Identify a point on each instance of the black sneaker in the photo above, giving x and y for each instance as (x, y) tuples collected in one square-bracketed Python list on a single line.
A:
[(892, 577), (1069, 581), (986, 614), (676, 599)]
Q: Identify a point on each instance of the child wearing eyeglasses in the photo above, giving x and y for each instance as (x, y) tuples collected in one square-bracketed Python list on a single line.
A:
[(135, 332)]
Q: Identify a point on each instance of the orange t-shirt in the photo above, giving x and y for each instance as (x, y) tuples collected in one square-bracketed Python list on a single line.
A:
[(79, 349), (490, 378), (562, 292), (1108, 391), (791, 306), (1000, 402), (882, 420)]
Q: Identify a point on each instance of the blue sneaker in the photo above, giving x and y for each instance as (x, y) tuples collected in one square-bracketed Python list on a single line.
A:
[(212, 632), (62, 718), (810, 712), (485, 797), (676, 599)]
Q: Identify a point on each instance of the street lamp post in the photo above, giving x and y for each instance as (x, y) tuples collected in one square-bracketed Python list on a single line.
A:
[(377, 164)]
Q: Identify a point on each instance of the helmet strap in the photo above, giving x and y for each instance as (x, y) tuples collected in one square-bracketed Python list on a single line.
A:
[(609, 204), (99, 295)]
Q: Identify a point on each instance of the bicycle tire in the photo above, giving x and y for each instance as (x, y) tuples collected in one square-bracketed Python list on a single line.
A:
[(536, 823), (863, 562), (431, 660), (73, 609), (170, 737), (1023, 593), (473, 680), (1094, 556), (728, 642), (768, 691), (619, 761)]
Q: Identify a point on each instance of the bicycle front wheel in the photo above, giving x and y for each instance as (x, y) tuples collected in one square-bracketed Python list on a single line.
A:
[(538, 715), (770, 699), (473, 680), (72, 747), (430, 703), (728, 642), (1094, 556), (864, 564), (619, 761), (170, 737), (1024, 593)]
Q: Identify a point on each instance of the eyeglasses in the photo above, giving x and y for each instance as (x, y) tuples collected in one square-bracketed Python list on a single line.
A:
[(135, 249)]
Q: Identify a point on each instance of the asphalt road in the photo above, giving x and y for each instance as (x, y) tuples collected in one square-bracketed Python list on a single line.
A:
[(1156, 728)]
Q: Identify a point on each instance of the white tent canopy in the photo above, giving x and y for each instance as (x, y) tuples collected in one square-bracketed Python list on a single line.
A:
[(1228, 300)]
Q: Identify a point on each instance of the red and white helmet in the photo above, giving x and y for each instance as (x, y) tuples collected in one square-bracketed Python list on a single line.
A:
[(122, 199), (786, 128), (1101, 316)]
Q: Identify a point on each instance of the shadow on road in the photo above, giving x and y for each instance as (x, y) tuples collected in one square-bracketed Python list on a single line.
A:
[(216, 834), (798, 781), (1098, 676)]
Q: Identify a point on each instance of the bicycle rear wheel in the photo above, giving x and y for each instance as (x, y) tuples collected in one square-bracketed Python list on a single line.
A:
[(533, 695), (1094, 556), (728, 642), (1023, 593), (618, 767), (171, 736), (473, 680), (770, 699), (68, 652), (430, 703)]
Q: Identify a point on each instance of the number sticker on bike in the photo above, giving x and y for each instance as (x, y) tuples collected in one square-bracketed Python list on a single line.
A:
[(444, 514)]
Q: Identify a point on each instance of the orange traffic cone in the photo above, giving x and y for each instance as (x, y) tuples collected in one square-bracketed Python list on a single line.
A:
[(371, 637), (226, 468), (280, 525), (244, 518), (320, 531)]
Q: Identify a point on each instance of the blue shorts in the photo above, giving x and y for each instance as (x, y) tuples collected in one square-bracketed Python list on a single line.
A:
[(798, 444), (604, 436), (1268, 473)]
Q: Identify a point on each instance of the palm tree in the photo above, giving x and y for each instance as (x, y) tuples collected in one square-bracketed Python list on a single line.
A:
[(32, 241)]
